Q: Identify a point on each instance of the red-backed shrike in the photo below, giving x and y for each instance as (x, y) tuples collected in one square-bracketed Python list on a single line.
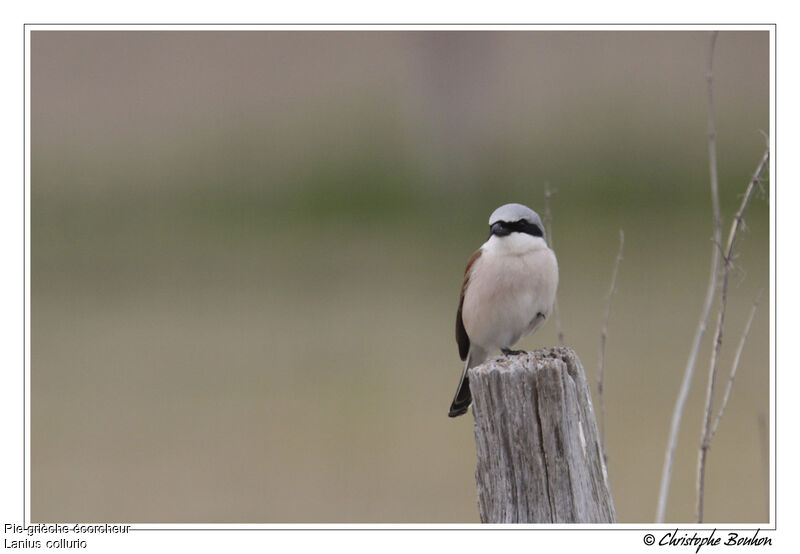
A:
[(508, 292)]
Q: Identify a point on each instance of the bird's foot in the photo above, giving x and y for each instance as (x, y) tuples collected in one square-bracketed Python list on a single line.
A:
[(509, 352)]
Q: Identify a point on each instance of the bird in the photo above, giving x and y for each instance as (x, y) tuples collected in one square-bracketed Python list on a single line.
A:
[(508, 291)]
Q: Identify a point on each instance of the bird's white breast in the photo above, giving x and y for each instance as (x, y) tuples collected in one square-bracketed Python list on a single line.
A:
[(514, 279)]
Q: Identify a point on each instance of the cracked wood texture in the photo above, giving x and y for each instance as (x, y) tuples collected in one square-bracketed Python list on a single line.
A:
[(539, 453)]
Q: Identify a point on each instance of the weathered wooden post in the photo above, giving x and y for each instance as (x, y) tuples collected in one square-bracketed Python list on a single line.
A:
[(539, 453)]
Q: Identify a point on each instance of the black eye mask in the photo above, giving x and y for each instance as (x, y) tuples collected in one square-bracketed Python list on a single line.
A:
[(503, 228)]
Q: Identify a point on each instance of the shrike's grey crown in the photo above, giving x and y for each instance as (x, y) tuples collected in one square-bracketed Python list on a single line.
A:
[(514, 212)]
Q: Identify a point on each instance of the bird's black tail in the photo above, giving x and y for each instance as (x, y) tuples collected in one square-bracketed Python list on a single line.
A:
[(463, 397)]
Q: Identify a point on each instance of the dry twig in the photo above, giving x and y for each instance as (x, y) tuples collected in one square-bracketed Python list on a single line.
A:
[(738, 222), (688, 372), (603, 337), (735, 366), (548, 219)]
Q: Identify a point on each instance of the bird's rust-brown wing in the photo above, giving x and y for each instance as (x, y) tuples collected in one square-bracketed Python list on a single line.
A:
[(461, 334)]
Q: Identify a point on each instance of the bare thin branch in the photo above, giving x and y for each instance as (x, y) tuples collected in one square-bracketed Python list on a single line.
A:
[(735, 367), (548, 220), (688, 372), (736, 225), (603, 337), (712, 136)]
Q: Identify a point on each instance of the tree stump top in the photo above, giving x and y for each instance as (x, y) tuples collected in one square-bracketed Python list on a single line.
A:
[(539, 453)]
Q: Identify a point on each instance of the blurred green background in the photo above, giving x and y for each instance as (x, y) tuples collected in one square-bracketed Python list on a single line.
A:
[(247, 248)]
